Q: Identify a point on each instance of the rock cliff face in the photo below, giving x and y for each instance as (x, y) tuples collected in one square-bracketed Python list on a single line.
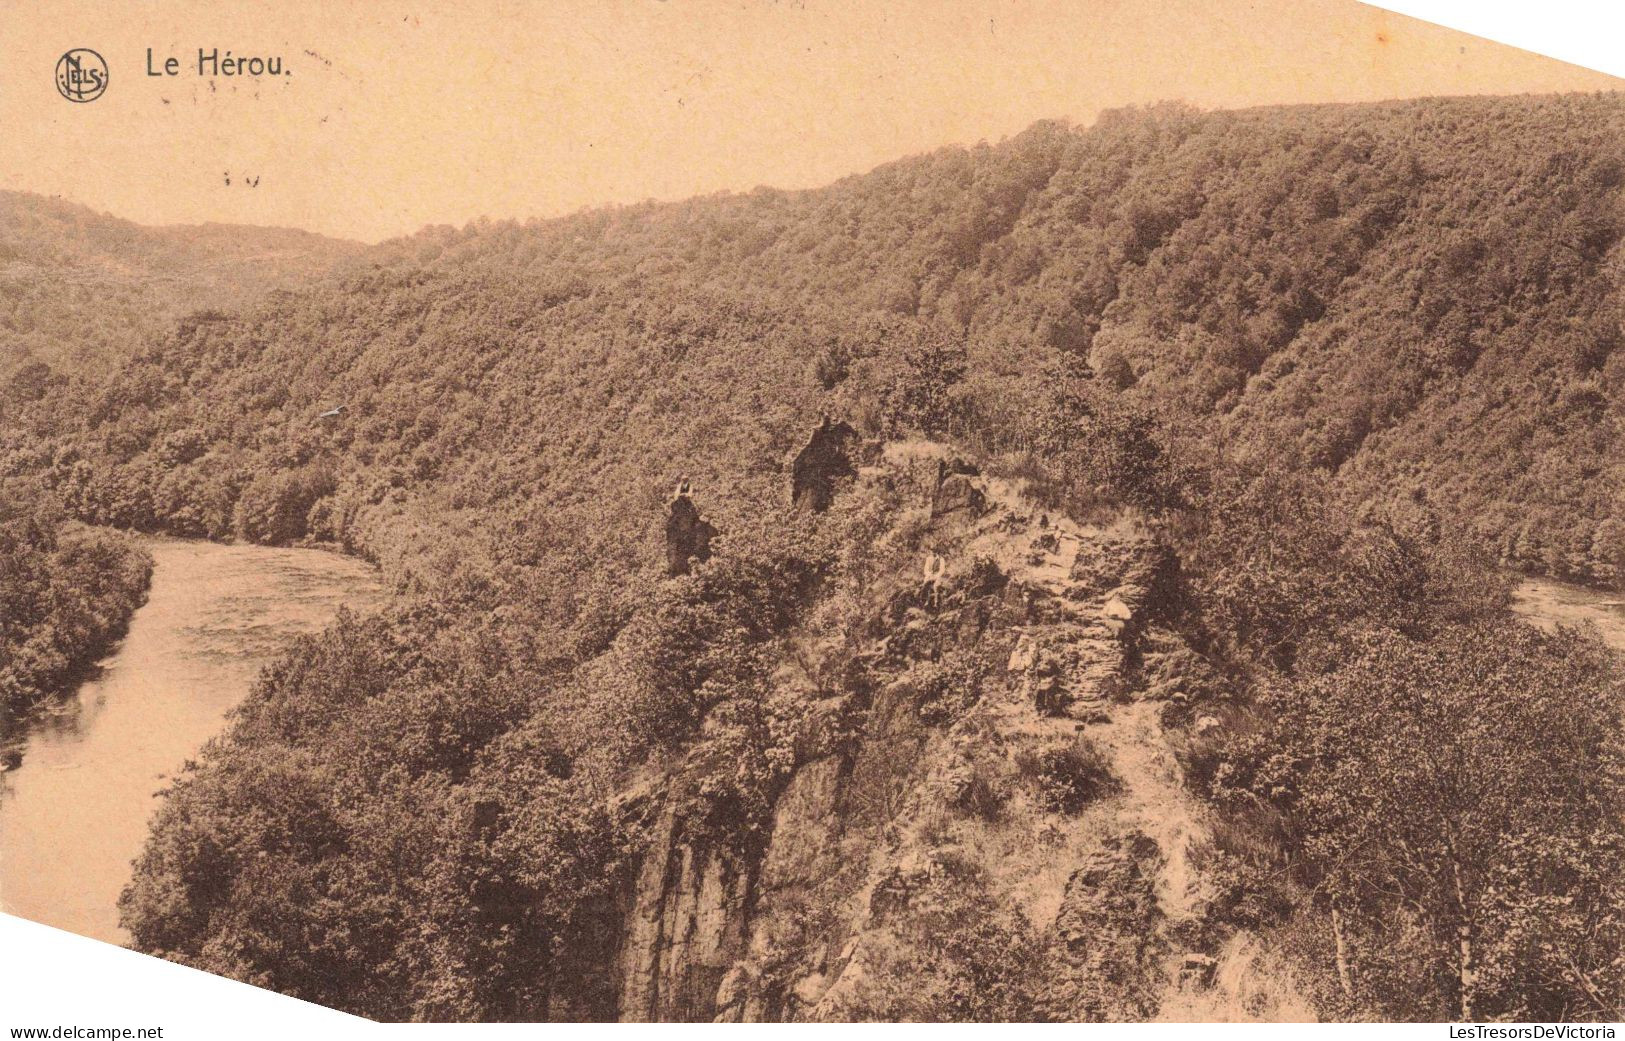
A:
[(1000, 785), (688, 535), (824, 465), (687, 928)]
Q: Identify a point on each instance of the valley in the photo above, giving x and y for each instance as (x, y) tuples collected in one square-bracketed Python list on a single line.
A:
[(1144, 648)]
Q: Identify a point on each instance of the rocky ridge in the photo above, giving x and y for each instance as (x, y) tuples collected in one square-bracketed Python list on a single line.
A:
[(1006, 780)]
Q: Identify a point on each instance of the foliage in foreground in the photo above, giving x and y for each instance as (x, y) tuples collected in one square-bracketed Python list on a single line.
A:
[(1459, 802)]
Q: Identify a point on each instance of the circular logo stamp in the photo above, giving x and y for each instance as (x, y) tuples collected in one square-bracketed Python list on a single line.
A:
[(81, 75)]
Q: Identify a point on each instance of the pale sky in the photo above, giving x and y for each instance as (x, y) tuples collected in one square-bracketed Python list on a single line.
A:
[(399, 114)]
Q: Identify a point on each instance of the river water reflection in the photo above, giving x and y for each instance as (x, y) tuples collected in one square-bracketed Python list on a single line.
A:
[(1547, 603)]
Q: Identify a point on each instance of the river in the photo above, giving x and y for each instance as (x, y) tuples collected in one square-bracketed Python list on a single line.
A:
[(1547, 603), (75, 810)]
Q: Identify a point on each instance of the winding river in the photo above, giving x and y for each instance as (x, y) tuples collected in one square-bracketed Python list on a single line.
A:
[(74, 810)]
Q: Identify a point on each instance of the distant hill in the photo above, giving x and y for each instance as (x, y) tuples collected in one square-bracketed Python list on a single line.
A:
[(81, 290)]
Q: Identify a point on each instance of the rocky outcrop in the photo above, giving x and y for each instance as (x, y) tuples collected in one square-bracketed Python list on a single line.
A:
[(702, 931), (956, 494), (685, 928), (824, 465), (1108, 957), (913, 829), (805, 826), (688, 535)]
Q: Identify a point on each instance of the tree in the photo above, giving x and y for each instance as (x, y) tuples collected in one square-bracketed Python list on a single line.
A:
[(923, 393), (1468, 784)]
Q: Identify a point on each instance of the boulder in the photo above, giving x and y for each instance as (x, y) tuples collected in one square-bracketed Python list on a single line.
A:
[(1022, 657), (957, 495), (688, 535), (824, 465)]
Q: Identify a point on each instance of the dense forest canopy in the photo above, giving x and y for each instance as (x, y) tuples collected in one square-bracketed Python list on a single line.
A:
[(1347, 362)]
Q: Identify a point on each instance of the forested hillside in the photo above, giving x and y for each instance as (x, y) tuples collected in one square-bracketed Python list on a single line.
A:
[(1297, 384), (1418, 296), (82, 291)]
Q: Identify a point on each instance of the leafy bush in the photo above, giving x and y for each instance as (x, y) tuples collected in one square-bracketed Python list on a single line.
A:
[(983, 793)]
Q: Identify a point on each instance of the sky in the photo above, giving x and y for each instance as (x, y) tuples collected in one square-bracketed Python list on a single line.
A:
[(394, 115)]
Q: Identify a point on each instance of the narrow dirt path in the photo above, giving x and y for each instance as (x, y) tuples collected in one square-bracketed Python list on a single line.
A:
[(1089, 594)]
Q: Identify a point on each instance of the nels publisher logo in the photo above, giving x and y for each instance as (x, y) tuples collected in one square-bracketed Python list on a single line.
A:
[(81, 75)]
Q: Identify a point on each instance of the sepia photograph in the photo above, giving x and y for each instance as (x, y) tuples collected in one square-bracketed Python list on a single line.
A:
[(813, 511)]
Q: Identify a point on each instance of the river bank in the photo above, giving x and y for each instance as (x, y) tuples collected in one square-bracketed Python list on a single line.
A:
[(1548, 603), (74, 812), (67, 593)]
